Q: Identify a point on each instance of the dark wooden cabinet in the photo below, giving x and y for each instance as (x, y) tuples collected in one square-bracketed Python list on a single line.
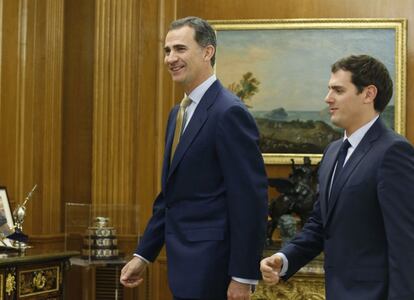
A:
[(33, 275)]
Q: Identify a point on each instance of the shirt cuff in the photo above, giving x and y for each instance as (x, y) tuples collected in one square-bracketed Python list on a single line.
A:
[(246, 281), (285, 263), (144, 259)]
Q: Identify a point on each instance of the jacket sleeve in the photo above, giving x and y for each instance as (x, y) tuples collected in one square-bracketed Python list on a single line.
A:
[(246, 190), (395, 192), (307, 244), (152, 240)]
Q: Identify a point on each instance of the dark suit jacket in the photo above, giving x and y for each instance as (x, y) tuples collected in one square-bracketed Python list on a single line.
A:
[(211, 212), (367, 229)]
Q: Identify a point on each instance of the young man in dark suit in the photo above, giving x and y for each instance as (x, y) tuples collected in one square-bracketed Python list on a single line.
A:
[(211, 212), (363, 219)]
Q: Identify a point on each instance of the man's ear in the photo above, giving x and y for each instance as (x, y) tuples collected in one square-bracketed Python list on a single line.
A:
[(370, 93), (209, 52)]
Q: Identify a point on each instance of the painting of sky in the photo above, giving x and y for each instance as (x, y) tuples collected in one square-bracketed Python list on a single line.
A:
[(293, 65)]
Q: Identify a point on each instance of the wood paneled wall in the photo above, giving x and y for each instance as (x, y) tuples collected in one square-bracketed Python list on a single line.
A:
[(84, 99), (114, 111), (31, 108)]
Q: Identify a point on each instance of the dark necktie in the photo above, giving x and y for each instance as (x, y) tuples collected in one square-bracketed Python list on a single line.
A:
[(341, 159), (179, 124)]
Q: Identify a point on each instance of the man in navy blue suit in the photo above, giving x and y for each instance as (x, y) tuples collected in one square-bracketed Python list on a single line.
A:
[(212, 209), (363, 219)]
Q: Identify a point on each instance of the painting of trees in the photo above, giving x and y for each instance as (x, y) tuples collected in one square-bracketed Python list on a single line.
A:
[(247, 87)]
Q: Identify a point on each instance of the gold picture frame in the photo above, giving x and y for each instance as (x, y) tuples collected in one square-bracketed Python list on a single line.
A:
[(280, 69)]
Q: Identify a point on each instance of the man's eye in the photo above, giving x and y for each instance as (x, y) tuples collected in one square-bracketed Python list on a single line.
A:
[(338, 91)]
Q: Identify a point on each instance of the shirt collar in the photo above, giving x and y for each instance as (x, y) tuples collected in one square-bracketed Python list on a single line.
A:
[(199, 91), (355, 138)]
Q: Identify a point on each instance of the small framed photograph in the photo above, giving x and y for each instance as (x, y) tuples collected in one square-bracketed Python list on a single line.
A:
[(6, 217)]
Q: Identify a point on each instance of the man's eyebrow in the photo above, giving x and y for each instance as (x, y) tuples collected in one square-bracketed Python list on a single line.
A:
[(176, 46), (335, 87)]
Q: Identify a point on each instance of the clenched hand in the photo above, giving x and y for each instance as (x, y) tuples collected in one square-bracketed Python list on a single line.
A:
[(270, 268)]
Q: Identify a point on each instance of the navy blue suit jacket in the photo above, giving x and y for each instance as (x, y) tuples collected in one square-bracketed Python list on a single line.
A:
[(366, 228), (212, 209)]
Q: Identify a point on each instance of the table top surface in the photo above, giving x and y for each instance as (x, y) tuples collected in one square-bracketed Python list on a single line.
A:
[(8, 257)]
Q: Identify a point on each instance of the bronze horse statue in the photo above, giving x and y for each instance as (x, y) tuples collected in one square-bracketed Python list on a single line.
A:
[(297, 196)]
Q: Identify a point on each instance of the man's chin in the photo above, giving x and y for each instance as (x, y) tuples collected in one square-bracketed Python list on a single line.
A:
[(335, 122), (177, 78)]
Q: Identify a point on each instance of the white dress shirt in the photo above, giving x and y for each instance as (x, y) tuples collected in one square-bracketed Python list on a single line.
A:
[(196, 96)]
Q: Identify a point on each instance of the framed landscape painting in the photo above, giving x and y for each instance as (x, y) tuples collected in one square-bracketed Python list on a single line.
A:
[(281, 68)]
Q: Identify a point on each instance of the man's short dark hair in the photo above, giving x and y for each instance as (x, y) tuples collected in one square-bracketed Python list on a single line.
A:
[(204, 33), (366, 71)]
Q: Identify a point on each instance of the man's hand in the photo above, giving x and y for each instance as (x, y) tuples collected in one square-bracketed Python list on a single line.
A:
[(270, 268), (238, 291), (131, 273)]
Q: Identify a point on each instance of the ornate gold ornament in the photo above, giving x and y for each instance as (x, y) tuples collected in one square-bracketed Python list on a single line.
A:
[(10, 284), (39, 280)]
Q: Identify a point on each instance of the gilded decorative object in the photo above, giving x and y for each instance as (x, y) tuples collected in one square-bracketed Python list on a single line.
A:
[(10, 284), (294, 289), (39, 281), (61, 273)]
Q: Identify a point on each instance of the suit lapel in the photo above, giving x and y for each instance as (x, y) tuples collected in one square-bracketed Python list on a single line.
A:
[(359, 153), (329, 160), (168, 144), (349, 167), (196, 123)]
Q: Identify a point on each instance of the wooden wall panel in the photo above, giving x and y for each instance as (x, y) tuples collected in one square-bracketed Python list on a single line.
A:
[(114, 111), (79, 22), (147, 108), (30, 130), (8, 96)]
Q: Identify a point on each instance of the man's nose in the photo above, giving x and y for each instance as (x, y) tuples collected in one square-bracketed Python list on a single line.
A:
[(328, 97), (170, 58)]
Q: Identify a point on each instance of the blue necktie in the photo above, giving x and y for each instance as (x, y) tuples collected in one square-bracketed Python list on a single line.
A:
[(340, 160)]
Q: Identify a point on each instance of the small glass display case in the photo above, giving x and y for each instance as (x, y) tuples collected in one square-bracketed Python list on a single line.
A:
[(93, 230)]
